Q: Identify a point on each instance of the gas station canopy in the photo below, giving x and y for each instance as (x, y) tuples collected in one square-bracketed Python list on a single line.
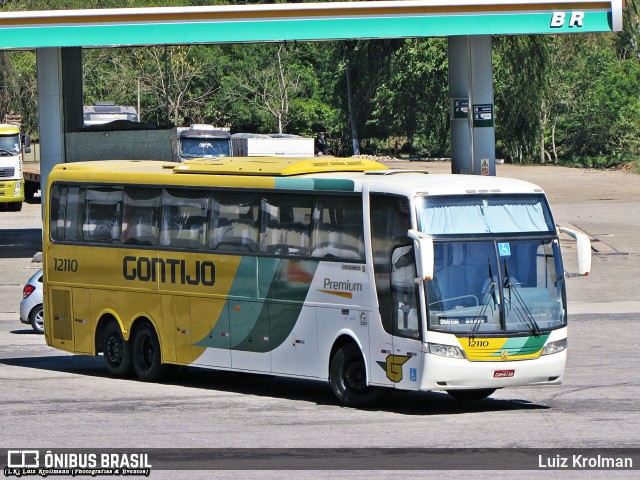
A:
[(306, 21)]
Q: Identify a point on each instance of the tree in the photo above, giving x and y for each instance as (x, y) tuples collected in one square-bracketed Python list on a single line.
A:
[(172, 74), (269, 82), (519, 72), (631, 25)]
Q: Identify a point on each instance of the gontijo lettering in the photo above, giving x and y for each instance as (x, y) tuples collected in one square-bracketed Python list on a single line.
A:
[(169, 270)]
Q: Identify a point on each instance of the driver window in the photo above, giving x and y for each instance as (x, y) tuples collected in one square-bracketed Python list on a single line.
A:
[(404, 293)]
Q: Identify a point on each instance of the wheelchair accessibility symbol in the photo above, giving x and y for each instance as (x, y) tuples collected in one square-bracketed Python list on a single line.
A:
[(504, 249)]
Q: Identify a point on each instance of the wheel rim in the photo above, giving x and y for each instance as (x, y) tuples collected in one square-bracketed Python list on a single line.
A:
[(115, 349), (355, 376), (147, 352), (39, 320)]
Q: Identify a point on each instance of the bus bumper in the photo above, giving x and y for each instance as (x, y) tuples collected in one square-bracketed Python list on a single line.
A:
[(12, 191), (443, 373)]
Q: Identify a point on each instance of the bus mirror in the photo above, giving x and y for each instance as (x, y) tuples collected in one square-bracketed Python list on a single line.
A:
[(424, 253), (26, 140), (584, 249)]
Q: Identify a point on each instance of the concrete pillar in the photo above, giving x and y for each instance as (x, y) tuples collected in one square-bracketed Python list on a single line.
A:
[(483, 140), (50, 111), (459, 104), (471, 86)]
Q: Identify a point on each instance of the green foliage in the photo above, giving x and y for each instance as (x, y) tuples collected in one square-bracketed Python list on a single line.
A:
[(562, 98)]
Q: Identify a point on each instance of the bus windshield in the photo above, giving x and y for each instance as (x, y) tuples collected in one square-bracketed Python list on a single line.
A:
[(496, 266), (10, 144), (494, 286), (484, 214), (204, 147)]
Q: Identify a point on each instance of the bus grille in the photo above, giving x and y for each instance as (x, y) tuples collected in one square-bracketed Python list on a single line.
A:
[(6, 172), (61, 303)]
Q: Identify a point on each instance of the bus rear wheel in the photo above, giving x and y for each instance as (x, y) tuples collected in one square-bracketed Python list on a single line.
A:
[(147, 358), (117, 351), (471, 395), (348, 378)]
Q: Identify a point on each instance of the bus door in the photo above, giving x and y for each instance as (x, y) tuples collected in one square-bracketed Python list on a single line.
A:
[(404, 366)]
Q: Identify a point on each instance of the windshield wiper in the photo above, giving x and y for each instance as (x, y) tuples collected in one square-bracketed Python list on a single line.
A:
[(4, 152), (490, 293), (523, 313)]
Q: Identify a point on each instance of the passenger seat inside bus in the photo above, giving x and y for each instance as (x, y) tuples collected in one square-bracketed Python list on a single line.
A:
[(235, 235), (345, 242), (285, 238)]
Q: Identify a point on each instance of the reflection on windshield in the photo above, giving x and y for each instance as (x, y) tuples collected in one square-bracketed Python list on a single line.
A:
[(204, 147), (494, 286), (10, 144)]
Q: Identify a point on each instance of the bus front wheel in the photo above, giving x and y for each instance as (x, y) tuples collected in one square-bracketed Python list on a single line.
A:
[(147, 359), (471, 395), (117, 351), (348, 378)]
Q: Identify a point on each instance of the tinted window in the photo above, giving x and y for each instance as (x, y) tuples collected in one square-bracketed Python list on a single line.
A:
[(286, 223), (234, 222), (141, 212), (103, 214), (338, 230), (67, 209), (184, 218)]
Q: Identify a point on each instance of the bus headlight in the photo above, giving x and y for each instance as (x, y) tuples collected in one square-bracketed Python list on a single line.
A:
[(554, 347), (17, 190), (448, 351)]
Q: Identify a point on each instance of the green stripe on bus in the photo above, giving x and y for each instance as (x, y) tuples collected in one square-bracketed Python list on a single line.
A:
[(335, 185), (258, 322), (522, 345), (300, 29), (316, 184)]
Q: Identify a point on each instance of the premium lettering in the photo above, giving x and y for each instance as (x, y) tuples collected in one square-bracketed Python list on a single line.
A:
[(169, 270), (342, 286)]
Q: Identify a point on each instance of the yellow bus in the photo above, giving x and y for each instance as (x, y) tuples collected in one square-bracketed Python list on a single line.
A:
[(332, 269)]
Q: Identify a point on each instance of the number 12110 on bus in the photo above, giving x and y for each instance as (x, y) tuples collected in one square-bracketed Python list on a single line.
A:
[(339, 270)]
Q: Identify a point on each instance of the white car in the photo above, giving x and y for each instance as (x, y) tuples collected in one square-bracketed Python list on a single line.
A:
[(31, 310)]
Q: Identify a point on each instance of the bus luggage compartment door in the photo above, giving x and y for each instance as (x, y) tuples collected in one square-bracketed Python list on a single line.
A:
[(83, 340), (60, 319), (250, 340)]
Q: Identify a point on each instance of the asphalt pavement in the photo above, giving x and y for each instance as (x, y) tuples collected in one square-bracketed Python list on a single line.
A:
[(50, 399)]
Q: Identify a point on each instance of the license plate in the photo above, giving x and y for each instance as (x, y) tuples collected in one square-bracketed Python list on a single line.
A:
[(503, 373)]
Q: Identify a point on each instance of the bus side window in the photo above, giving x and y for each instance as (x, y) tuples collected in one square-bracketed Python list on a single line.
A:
[(57, 209), (234, 222), (286, 224), (141, 212), (103, 215), (184, 218), (73, 214), (338, 231), (65, 223)]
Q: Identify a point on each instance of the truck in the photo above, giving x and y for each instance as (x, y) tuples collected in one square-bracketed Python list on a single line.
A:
[(12, 146), (105, 112), (207, 141), (277, 145), (202, 141)]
